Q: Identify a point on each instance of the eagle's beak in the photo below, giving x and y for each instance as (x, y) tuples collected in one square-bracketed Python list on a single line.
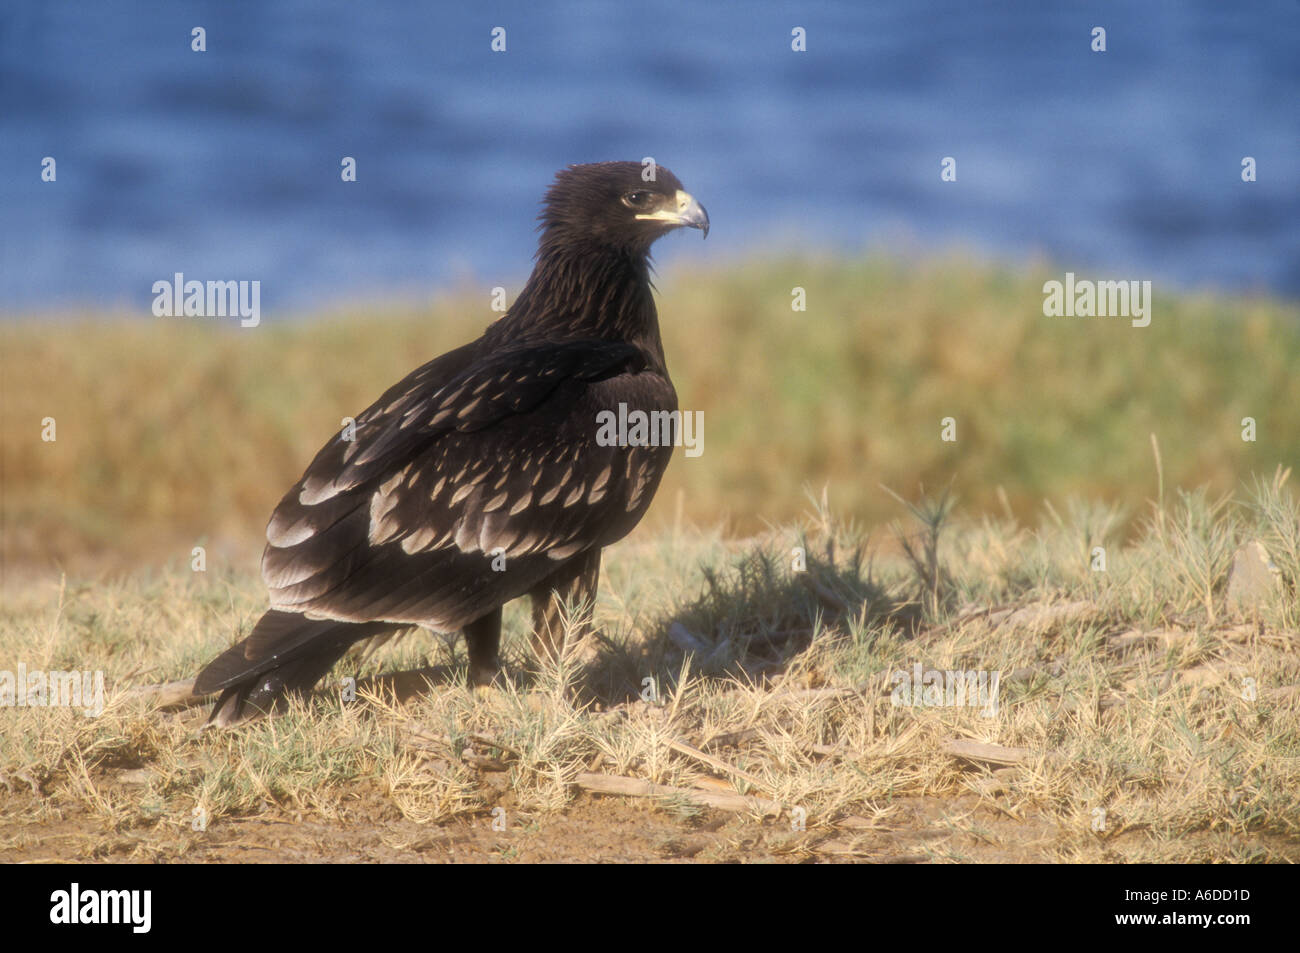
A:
[(688, 212)]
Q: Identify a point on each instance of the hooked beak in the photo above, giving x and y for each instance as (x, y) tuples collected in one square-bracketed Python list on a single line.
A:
[(687, 212)]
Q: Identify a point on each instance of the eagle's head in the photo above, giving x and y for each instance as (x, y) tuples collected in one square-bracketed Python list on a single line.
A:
[(620, 205)]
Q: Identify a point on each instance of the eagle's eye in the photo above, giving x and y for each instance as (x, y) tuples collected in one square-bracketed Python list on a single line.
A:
[(639, 199)]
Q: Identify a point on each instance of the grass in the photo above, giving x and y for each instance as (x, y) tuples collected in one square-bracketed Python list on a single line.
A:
[(1161, 724), (747, 645), (175, 433)]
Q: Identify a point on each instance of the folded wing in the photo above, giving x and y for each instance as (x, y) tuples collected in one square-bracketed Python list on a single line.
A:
[(464, 485)]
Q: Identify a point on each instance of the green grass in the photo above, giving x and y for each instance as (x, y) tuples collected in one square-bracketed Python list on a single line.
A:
[(177, 432)]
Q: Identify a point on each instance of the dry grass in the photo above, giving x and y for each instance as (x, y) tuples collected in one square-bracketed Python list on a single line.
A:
[(1140, 717), (1158, 725), (177, 432)]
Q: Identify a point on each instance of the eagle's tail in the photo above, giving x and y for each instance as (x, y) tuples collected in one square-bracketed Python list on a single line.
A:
[(286, 652)]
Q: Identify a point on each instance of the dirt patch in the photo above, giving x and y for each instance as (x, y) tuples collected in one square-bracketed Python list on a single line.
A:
[(591, 829)]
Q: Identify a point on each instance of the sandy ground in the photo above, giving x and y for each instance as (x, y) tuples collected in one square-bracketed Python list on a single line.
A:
[(590, 829)]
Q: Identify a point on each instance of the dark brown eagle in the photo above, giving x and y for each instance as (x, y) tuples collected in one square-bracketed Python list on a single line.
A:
[(481, 477)]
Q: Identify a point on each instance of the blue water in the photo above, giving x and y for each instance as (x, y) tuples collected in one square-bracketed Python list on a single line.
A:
[(225, 164)]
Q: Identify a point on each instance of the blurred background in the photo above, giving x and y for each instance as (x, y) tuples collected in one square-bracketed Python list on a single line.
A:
[(819, 169), (226, 163)]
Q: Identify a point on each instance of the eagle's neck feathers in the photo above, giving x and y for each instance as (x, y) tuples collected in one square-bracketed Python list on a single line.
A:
[(584, 291)]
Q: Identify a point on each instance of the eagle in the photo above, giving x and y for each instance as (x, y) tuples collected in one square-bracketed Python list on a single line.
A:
[(483, 475)]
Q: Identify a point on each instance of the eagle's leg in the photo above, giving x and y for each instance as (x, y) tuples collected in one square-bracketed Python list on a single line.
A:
[(483, 639), (573, 584)]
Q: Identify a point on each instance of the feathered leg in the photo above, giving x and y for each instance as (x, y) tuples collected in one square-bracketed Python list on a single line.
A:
[(483, 639), (574, 584)]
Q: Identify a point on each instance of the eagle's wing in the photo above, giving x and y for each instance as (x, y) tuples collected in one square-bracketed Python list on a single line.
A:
[(466, 484)]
